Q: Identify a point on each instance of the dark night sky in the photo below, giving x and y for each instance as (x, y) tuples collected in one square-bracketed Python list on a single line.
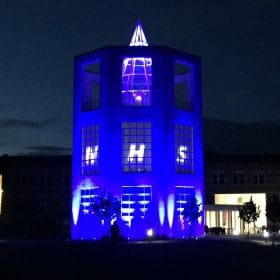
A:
[(239, 42)]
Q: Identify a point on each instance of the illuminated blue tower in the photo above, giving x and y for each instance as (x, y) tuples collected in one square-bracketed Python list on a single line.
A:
[(138, 134)]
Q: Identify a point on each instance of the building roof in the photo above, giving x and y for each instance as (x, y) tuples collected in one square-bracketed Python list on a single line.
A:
[(241, 158)]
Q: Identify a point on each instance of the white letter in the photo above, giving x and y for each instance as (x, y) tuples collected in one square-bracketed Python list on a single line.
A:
[(182, 156), (133, 153), (91, 155)]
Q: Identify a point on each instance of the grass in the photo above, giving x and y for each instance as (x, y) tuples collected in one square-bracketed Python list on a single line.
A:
[(183, 259)]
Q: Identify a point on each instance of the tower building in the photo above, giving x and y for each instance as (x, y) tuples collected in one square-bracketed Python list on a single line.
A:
[(138, 134)]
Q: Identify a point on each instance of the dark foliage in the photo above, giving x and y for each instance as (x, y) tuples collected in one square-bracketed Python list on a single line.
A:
[(249, 213), (191, 212), (106, 206), (273, 214)]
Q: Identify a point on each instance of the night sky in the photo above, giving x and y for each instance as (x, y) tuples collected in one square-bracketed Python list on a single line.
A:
[(238, 41)]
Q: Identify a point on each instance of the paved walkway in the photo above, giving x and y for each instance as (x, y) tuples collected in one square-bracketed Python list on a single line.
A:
[(254, 238)]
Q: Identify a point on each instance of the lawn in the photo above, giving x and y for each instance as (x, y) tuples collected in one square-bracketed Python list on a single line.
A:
[(184, 259)]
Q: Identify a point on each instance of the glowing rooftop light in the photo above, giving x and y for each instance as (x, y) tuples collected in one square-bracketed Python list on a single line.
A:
[(138, 37)]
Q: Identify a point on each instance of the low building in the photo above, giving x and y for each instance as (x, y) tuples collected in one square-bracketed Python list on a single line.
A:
[(231, 180), (36, 195), (36, 192)]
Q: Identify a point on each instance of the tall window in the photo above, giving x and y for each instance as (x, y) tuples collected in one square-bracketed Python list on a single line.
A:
[(258, 178), (88, 194), (137, 81), (91, 88), (218, 178), (135, 202), (184, 157), (136, 147), (182, 86), (238, 178), (182, 193), (90, 149)]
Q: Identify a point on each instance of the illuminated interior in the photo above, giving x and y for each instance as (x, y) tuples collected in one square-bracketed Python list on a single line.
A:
[(225, 212), (136, 81), (135, 202), (90, 149)]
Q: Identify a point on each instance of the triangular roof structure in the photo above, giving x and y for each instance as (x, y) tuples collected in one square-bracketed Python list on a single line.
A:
[(138, 37)]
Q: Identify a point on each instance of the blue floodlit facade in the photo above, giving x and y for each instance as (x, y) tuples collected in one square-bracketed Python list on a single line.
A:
[(138, 134)]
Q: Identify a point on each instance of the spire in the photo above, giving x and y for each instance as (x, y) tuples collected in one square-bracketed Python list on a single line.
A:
[(138, 37)]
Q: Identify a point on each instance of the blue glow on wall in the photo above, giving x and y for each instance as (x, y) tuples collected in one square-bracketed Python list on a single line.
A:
[(138, 134), (76, 199), (170, 209), (161, 210)]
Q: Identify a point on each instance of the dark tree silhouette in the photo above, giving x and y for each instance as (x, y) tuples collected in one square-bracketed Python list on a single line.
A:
[(249, 213), (273, 214), (191, 212), (106, 206)]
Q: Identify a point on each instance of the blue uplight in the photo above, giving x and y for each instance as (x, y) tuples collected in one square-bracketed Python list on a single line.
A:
[(170, 209), (161, 210)]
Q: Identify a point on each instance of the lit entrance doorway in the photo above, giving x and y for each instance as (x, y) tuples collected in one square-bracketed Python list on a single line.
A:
[(225, 213)]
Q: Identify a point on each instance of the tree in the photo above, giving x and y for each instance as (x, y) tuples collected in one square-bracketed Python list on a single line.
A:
[(106, 207), (249, 213), (273, 214), (191, 212)]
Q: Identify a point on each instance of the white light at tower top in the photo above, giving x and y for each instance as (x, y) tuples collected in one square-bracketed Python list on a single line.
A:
[(138, 37)]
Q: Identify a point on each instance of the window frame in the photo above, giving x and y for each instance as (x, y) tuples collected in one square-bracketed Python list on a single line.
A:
[(184, 137), (138, 133), (90, 138)]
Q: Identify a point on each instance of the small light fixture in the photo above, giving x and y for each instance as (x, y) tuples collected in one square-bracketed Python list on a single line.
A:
[(265, 234), (138, 99), (150, 232)]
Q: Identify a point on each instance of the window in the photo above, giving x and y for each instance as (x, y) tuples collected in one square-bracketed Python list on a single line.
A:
[(218, 178), (258, 178), (238, 178), (136, 147), (88, 194), (182, 193), (91, 88), (135, 202), (136, 81), (90, 149), (184, 149), (182, 86)]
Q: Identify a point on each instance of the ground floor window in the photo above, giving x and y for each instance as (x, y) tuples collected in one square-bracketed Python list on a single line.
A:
[(135, 201)]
